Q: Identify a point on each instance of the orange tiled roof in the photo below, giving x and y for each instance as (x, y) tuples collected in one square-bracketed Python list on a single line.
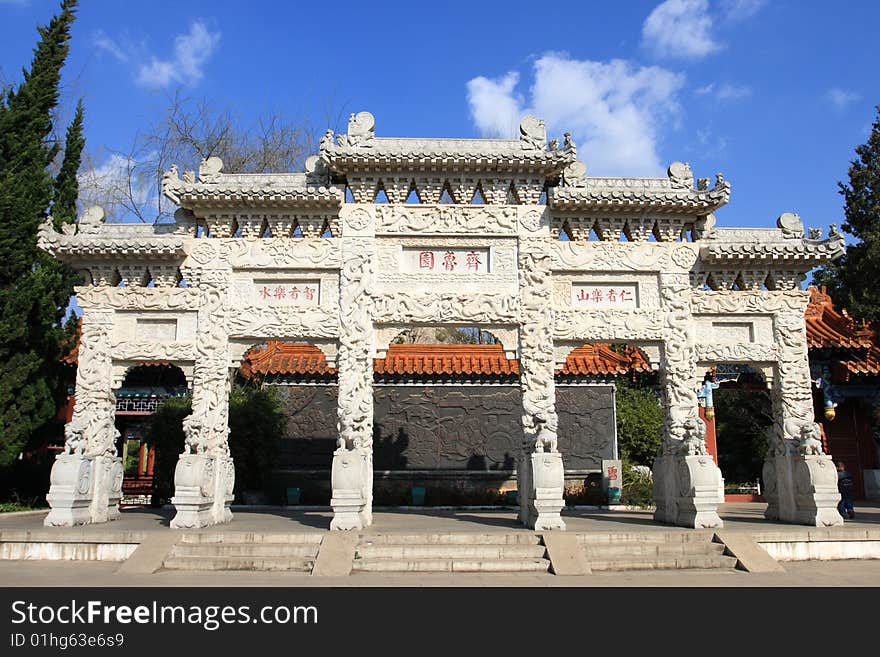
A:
[(439, 360), (446, 359), (830, 329), (599, 359), (285, 358), (827, 328)]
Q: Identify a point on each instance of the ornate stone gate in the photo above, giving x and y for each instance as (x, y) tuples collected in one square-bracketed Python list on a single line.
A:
[(508, 235)]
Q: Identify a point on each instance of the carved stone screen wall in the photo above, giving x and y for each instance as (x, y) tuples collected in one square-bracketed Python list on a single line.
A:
[(471, 432), (244, 262)]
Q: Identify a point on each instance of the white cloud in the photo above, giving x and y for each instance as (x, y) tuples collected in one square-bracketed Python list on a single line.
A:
[(494, 107), (613, 109), (103, 42), (840, 99), (119, 185), (191, 52), (737, 11), (724, 91), (680, 29)]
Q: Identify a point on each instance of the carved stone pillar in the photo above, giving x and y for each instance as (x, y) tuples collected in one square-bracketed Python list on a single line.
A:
[(205, 474), (686, 479), (800, 480), (352, 471), (540, 475), (86, 478)]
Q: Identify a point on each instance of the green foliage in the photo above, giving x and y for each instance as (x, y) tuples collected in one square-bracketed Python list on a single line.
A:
[(166, 435), (34, 289), (639, 421), (638, 488), (742, 421), (846, 278), (66, 184), (256, 427)]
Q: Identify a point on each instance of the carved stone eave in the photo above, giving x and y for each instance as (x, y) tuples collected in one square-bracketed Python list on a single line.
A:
[(796, 254), (81, 249), (618, 195), (424, 155), (271, 191)]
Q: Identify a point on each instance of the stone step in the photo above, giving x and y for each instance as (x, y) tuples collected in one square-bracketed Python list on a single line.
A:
[(291, 564), (705, 562), (447, 551), (522, 538), (599, 538), (308, 550), (622, 550), (451, 565), (251, 537)]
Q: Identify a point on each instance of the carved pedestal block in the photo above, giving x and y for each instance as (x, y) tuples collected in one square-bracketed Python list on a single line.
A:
[(84, 489), (698, 482), (202, 490), (816, 494), (686, 491), (541, 483), (70, 491), (349, 480)]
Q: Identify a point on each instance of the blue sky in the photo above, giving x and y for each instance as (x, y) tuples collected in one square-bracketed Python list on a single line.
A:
[(775, 95)]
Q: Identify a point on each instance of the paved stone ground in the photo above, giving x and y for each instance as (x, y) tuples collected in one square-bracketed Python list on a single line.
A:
[(737, 517)]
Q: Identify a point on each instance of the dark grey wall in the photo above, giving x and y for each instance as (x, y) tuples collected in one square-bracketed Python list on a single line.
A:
[(426, 427)]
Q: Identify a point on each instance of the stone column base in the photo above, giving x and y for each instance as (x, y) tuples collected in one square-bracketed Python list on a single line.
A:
[(84, 489), (816, 494), (349, 480), (202, 490), (541, 484), (801, 490), (686, 491)]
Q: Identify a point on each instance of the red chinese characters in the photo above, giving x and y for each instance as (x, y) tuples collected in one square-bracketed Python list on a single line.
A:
[(473, 261), (426, 260), (449, 262), (603, 296)]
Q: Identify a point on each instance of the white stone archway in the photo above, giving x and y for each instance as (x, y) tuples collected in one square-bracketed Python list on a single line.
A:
[(691, 295)]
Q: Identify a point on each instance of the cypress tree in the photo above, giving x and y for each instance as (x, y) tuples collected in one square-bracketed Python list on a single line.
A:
[(33, 296), (849, 279), (66, 185)]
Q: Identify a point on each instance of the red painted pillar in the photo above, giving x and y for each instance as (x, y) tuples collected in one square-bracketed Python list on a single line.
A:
[(142, 459), (711, 440), (151, 460)]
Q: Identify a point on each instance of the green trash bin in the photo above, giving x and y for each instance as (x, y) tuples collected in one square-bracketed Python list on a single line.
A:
[(417, 495), (293, 495)]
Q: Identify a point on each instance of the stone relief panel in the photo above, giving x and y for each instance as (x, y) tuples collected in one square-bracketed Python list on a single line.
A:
[(283, 321), (267, 252), (445, 220), (424, 427), (142, 298), (736, 353), (605, 326), (443, 307), (623, 256)]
